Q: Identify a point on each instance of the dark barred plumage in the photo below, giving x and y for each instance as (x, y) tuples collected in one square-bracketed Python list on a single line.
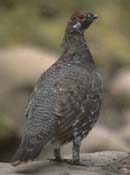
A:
[(66, 100)]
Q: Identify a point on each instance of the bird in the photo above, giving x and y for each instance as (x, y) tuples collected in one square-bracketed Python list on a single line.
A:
[(65, 102)]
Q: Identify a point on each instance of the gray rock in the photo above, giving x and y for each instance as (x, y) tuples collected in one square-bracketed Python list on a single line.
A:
[(100, 163)]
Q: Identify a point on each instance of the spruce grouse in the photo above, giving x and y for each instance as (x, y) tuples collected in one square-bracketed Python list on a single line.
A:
[(65, 102)]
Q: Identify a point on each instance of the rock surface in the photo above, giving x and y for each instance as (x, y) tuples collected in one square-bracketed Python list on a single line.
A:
[(100, 163), (23, 65), (121, 83)]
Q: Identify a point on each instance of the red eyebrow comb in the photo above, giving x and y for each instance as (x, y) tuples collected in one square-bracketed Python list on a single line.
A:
[(80, 15)]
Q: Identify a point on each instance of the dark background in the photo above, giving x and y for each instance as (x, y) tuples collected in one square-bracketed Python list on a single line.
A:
[(31, 33)]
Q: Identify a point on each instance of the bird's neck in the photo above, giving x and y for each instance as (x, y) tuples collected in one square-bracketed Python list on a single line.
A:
[(75, 43), (73, 40)]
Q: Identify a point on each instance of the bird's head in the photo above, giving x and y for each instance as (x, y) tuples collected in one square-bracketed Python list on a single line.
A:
[(81, 21)]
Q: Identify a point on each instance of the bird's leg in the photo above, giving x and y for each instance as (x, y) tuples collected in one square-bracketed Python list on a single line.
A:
[(76, 150), (57, 154), (76, 153)]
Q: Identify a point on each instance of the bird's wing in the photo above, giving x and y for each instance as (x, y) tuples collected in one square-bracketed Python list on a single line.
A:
[(40, 125), (72, 92), (29, 104)]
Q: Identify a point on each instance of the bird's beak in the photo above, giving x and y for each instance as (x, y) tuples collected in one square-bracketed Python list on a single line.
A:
[(95, 16)]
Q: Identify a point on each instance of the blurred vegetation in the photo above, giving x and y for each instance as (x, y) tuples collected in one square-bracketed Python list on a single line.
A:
[(42, 23), (9, 138), (6, 127)]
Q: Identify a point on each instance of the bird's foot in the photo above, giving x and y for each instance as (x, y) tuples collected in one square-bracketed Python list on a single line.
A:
[(56, 160), (72, 162), (69, 161), (79, 163)]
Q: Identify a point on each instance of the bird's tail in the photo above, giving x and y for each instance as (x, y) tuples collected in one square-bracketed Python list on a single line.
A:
[(29, 149)]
